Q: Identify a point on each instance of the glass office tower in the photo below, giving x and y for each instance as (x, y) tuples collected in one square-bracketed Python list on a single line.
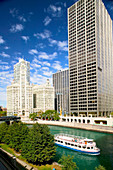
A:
[(61, 90), (90, 58)]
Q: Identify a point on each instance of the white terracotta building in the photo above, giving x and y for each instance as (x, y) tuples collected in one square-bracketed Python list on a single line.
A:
[(43, 97)]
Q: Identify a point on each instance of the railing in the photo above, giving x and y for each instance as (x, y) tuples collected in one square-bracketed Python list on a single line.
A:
[(68, 135)]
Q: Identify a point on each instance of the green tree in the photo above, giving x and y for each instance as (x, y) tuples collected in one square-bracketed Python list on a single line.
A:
[(39, 146), (15, 135), (111, 114), (33, 116), (3, 131), (3, 113), (67, 163), (52, 114), (100, 167), (40, 114)]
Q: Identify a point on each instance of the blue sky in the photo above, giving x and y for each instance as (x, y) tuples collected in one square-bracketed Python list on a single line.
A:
[(36, 31)]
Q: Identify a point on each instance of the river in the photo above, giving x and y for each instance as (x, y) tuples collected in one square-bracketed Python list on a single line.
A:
[(104, 141)]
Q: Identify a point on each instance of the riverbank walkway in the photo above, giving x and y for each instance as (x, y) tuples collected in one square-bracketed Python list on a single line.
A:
[(98, 128)]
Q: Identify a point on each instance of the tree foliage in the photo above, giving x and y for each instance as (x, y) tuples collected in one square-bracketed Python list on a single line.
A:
[(67, 163), (111, 114), (39, 146), (33, 116), (3, 113), (100, 167), (15, 135), (3, 131), (51, 114)]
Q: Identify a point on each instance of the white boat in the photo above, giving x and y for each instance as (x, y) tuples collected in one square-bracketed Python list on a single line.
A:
[(77, 143)]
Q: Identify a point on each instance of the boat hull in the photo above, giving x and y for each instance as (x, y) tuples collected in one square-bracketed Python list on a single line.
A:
[(86, 152)]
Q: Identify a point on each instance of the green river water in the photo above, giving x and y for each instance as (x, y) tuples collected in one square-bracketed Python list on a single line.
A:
[(104, 141)]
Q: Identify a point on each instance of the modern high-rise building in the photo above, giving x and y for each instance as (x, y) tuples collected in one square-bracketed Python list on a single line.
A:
[(43, 97), (19, 93), (90, 58), (61, 86)]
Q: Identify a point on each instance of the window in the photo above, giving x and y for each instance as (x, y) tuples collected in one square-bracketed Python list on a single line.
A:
[(72, 144), (84, 147)]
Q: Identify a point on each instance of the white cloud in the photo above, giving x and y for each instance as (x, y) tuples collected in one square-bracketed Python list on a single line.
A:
[(3, 98), (65, 4), (2, 62), (40, 45), (52, 42), (25, 38), (21, 18), (47, 20), (13, 12), (44, 35), (66, 57), (36, 61), (45, 68), (54, 10), (47, 73), (63, 45), (1, 40), (56, 65), (3, 54), (44, 55), (36, 78), (34, 66), (33, 51), (6, 47), (16, 28), (2, 67), (46, 63)]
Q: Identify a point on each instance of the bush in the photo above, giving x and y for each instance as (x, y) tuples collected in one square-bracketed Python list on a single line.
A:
[(67, 163), (100, 167)]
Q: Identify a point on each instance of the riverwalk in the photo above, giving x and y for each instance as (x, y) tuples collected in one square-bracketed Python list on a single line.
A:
[(98, 128), (12, 162)]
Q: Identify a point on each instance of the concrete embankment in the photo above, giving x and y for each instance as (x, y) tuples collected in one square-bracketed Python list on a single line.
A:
[(98, 128), (11, 162)]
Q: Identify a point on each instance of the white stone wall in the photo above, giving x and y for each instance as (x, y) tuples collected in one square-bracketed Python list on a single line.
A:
[(44, 97)]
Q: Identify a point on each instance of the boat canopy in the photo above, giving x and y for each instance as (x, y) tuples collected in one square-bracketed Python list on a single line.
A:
[(88, 140)]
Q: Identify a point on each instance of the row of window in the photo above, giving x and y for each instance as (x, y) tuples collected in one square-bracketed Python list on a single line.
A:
[(78, 146)]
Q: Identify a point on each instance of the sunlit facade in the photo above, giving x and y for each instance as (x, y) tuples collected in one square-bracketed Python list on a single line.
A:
[(19, 93), (43, 97), (90, 58)]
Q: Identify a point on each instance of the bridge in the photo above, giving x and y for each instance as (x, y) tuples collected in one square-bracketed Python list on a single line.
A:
[(9, 119)]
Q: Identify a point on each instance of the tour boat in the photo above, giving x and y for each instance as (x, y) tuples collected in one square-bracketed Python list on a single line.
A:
[(77, 143)]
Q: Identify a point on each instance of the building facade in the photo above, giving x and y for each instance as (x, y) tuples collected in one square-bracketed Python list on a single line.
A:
[(19, 93), (43, 97), (90, 58), (61, 86)]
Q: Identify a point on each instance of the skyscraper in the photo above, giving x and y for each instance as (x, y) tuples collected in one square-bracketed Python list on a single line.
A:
[(90, 58), (61, 86), (19, 94)]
